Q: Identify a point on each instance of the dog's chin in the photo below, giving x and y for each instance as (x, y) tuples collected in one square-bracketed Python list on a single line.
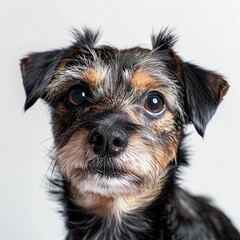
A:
[(107, 183)]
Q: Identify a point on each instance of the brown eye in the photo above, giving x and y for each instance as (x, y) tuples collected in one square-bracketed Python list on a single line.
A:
[(76, 96), (154, 103)]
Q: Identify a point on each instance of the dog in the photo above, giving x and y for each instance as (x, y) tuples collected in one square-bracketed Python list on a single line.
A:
[(118, 121)]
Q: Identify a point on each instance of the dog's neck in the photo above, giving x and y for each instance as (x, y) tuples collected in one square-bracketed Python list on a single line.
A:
[(96, 217), (93, 217), (114, 224)]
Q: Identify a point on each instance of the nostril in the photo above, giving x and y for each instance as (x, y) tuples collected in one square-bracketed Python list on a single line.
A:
[(96, 138), (118, 142)]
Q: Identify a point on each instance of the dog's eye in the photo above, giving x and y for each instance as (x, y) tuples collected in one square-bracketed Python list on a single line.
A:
[(154, 103), (77, 96)]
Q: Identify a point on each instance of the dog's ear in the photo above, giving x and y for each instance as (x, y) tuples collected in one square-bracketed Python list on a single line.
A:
[(37, 72), (204, 90)]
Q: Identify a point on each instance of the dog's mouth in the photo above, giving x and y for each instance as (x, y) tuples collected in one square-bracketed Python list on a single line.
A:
[(105, 166), (109, 174), (106, 179), (105, 172)]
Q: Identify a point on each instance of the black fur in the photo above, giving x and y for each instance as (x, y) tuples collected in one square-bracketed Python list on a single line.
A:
[(37, 72), (175, 214), (164, 40), (202, 95)]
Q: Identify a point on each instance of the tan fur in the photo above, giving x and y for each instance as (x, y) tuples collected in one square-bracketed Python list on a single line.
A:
[(166, 152), (142, 80), (132, 114), (95, 203), (61, 109), (224, 91), (140, 160), (55, 87), (74, 154), (92, 77), (165, 123), (216, 83)]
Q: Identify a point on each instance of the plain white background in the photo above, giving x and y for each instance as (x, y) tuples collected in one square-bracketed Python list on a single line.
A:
[(209, 35)]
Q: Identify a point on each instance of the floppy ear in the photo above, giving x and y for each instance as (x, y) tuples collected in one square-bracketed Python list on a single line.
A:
[(204, 90), (37, 72)]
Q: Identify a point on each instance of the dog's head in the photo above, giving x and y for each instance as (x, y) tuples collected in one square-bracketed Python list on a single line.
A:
[(118, 115)]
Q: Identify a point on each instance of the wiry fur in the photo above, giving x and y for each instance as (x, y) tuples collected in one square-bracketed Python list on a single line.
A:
[(165, 40), (133, 194)]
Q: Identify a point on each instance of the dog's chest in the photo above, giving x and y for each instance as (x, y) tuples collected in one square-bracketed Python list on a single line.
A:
[(132, 227)]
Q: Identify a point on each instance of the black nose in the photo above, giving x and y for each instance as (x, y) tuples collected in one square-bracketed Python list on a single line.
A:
[(107, 141)]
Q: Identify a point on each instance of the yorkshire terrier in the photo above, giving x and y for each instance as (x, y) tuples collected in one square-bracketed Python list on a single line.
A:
[(118, 120)]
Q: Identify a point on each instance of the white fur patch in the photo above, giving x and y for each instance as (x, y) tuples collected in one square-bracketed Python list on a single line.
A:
[(106, 186)]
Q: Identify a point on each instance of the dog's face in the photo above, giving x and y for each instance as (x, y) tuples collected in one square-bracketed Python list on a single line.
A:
[(118, 115)]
